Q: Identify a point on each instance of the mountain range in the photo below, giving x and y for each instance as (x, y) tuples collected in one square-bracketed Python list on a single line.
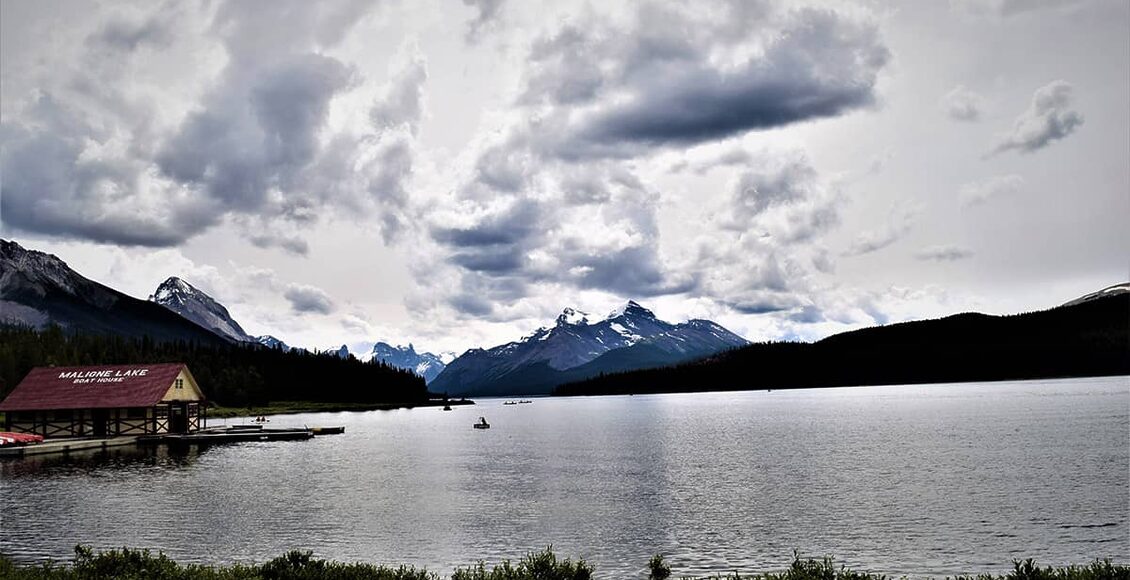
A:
[(39, 289), (629, 338), (1089, 336), (425, 364)]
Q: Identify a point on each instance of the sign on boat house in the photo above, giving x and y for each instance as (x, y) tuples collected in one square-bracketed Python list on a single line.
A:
[(105, 401)]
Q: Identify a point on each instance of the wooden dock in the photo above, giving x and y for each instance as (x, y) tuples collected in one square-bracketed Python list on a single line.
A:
[(66, 446), (229, 435), (233, 434)]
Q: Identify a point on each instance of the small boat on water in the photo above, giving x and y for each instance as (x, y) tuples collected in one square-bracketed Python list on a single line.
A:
[(482, 424), (524, 402), (328, 430), (447, 407), (510, 403)]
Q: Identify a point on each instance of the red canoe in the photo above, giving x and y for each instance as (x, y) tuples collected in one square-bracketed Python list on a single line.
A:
[(7, 438)]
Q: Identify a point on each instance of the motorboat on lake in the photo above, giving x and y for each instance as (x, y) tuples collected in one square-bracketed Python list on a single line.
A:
[(482, 424)]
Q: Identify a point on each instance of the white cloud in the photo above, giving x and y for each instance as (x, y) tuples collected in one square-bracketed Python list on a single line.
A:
[(962, 104), (943, 253), (899, 223), (980, 192), (1050, 117)]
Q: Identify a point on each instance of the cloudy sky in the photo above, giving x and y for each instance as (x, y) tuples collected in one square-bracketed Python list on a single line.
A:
[(455, 173)]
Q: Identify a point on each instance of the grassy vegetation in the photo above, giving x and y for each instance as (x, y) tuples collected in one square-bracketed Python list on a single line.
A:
[(291, 407), (128, 564)]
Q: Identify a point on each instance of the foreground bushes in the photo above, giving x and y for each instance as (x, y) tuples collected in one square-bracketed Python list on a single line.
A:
[(127, 564)]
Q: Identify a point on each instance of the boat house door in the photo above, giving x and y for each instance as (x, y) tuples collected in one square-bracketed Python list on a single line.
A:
[(101, 419), (178, 418)]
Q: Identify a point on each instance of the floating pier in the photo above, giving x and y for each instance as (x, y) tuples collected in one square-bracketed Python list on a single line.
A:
[(66, 446), (232, 434)]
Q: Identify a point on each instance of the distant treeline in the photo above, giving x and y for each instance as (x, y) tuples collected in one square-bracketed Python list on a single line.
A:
[(1087, 339), (230, 375)]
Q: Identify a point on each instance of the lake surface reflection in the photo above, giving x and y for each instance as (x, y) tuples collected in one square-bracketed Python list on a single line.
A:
[(934, 479)]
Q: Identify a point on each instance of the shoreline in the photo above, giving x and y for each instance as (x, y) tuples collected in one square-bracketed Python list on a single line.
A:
[(539, 565), (296, 407)]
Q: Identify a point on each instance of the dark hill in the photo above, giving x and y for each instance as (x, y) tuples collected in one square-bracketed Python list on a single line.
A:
[(1091, 338)]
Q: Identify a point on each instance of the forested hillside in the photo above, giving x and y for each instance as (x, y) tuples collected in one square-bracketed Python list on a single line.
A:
[(230, 375)]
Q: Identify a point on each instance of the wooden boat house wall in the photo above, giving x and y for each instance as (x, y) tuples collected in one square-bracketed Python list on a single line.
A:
[(105, 401)]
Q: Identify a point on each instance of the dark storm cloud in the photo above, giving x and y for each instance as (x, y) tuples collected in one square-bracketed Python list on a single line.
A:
[(513, 225), (491, 259), (757, 191), (1050, 117), (663, 88), (807, 314), (86, 160), (632, 271), (598, 92), (308, 299), (294, 245), (242, 145), (497, 244), (504, 167), (49, 186)]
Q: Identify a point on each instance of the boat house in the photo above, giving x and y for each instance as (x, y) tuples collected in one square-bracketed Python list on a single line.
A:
[(105, 401)]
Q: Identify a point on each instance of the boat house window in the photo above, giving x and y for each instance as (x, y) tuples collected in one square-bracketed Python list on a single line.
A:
[(180, 383)]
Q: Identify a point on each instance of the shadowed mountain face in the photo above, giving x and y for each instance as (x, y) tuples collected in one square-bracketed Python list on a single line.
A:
[(193, 304), (38, 289), (631, 337), (1085, 337), (425, 364)]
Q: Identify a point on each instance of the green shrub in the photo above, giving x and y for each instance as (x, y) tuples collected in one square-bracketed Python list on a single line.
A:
[(535, 566)]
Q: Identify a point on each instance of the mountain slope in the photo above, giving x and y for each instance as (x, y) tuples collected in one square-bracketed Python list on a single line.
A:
[(193, 304), (1086, 338), (38, 289), (570, 349), (425, 364)]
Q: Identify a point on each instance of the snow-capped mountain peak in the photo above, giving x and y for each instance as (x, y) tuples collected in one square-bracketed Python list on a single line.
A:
[(197, 306), (271, 342), (533, 363), (572, 317), (425, 364), (632, 309), (174, 289)]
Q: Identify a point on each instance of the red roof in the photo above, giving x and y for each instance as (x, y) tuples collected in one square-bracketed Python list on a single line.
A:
[(92, 387)]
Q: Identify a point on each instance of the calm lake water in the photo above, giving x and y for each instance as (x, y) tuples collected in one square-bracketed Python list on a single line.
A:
[(934, 479)]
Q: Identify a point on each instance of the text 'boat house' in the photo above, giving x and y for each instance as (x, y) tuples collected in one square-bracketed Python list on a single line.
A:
[(105, 401)]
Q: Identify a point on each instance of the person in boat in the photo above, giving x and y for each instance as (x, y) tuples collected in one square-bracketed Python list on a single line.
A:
[(482, 420)]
